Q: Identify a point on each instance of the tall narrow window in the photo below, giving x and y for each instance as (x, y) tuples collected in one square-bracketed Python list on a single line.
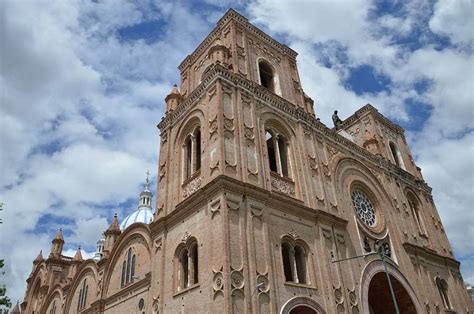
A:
[(192, 153), (53, 308), (277, 150), (81, 303), (283, 159), (396, 156), (300, 261), (124, 271), (187, 267), (266, 75), (416, 214), (198, 149), (294, 259), (128, 268), (443, 292), (184, 269), (189, 152), (194, 257), (271, 151), (129, 263), (285, 253)]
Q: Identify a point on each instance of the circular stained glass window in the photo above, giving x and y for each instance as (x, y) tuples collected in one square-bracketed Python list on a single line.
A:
[(363, 207)]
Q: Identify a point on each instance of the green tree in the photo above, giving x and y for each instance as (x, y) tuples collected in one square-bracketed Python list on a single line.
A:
[(4, 300)]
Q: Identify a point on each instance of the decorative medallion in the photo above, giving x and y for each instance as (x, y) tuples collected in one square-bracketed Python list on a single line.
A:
[(218, 281), (363, 207), (237, 279)]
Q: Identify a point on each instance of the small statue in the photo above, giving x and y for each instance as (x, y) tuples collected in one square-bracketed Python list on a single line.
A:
[(386, 249), (367, 247), (336, 120)]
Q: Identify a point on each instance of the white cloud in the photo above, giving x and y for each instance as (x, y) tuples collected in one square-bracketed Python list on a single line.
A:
[(454, 18)]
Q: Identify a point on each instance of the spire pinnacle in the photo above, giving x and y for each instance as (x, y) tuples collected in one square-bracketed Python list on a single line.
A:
[(78, 256), (114, 225), (59, 235), (39, 258)]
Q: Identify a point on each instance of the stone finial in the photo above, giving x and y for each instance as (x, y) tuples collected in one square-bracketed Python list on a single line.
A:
[(78, 256), (173, 99), (59, 235), (38, 258)]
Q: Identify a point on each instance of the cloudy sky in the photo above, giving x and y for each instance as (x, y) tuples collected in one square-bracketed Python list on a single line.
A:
[(83, 82)]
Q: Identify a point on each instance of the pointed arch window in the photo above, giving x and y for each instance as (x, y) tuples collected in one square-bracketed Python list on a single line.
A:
[(277, 150), (192, 153), (128, 268), (81, 304), (443, 292), (415, 210), (294, 259), (187, 267)]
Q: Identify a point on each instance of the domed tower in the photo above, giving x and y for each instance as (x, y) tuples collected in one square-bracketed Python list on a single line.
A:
[(143, 213)]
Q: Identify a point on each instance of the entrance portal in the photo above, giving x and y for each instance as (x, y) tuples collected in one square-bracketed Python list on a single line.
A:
[(380, 299), (302, 310)]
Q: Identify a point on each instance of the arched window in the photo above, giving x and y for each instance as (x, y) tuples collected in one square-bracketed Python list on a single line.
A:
[(192, 153), (415, 210), (300, 261), (187, 265), (128, 268), (277, 149), (267, 75), (443, 292), (285, 255), (294, 259), (53, 308), (397, 157), (81, 304)]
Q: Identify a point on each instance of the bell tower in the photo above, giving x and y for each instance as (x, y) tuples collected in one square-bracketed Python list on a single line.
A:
[(212, 128)]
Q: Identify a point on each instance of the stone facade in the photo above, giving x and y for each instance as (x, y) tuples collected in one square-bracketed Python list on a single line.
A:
[(256, 199)]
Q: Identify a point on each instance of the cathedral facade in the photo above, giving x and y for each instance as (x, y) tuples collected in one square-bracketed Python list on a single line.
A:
[(261, 208)]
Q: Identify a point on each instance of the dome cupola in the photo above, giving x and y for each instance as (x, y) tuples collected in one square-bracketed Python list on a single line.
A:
[(144, 212)]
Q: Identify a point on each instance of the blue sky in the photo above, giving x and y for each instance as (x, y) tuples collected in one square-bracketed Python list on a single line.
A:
[(83, 86)]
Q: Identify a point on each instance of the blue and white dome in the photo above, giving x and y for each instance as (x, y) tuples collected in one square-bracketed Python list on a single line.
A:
[(143, 213)]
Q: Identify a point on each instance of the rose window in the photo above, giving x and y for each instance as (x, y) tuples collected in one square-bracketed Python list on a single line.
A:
[(363, 207)]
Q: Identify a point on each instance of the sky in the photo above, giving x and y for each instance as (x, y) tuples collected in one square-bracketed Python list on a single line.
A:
[(83, 86)]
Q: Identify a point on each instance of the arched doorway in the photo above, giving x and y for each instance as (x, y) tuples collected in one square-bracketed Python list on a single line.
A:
[(302, 309), (375, 292), (301, 305), (380, 299)]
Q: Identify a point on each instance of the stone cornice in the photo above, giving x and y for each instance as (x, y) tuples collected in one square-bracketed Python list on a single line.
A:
[(266, 97), (235, 16), (225, 183), (369, 108), (430, 254)]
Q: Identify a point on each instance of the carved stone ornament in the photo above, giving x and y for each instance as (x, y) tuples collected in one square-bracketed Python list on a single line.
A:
[(218, 283), (283, 186), (313, 164), (213, 126), (331, 152), (229, 124), (192, 186), (162, 170), (248, 132), (352, 297), (292, 233), (237, 279), (185, 237), (262, 283)]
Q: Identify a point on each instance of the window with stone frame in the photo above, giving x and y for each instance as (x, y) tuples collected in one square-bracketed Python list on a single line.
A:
[(416, 212), (396, 155), (192, 153), (187, 265), (52, 310), (128, 268), (267, 75), (443, 292), (277, 151), (294, 259), (81, 303)]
